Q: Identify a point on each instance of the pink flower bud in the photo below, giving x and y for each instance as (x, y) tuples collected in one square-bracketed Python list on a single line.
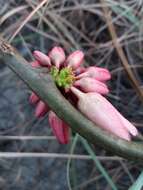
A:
[(99, 110), (43, 59), (98, 73), (34, 98), (129, 126), (91, 85), (41, 109), (57, 56), (60, 129), (75, 59), (35, 64)]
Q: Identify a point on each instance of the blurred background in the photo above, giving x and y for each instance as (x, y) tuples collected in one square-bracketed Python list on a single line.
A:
[(73, 24)]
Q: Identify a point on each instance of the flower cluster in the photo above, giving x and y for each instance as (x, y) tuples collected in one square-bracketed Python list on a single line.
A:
[(84, 88)]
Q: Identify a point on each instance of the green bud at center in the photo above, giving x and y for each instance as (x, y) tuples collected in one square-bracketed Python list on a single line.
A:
[(63, 78)]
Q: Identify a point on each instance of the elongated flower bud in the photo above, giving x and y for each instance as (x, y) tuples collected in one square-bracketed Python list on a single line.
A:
[(99, 110), (98, 73), (60, 129), (57, 56), (41, 109), (91, 85), (43, 59), (34, 98), (75, 59)]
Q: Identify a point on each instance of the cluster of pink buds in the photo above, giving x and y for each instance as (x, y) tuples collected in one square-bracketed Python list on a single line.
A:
[(84, 88)]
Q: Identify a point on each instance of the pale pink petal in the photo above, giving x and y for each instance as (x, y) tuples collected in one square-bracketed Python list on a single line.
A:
[(91, 85), (130, 127), (75, 59), (41, 109), (43, 59), (104, 73), (99, 110), (34, 98), (98, 73), (60, 129), (57, 56), (35, 64)]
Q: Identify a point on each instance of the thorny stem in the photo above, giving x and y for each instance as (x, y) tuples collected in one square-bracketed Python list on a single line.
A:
[(44, 86)]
